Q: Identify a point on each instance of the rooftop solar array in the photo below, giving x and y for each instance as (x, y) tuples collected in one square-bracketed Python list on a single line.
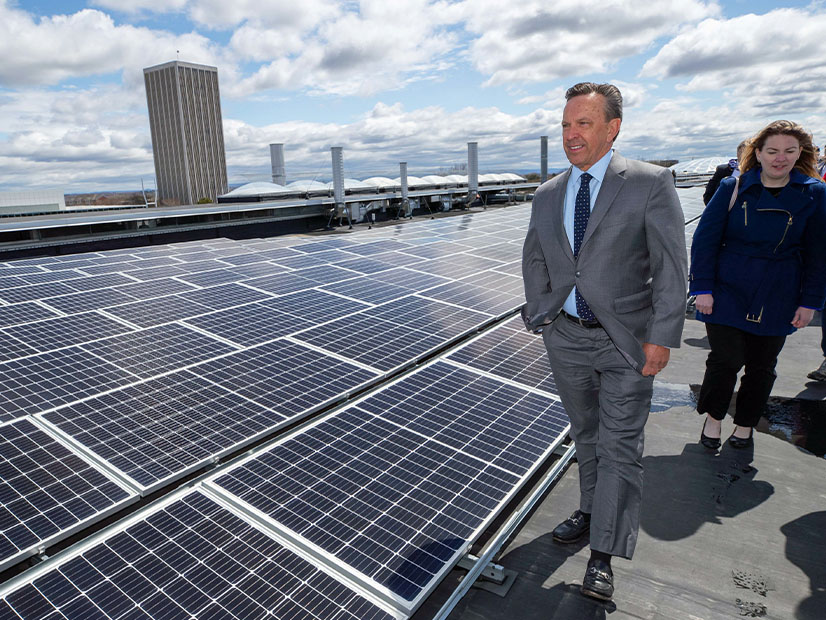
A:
[(141, 365)]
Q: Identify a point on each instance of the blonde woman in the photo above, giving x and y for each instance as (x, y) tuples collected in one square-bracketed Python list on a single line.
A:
[(758, 269)]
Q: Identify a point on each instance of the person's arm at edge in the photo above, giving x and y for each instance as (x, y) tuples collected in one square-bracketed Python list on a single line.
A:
[(714, 183), (813, 284), (535, 278), (707, 240), (665, 236)]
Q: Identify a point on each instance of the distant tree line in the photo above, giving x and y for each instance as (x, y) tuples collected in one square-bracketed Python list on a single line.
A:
[(107, 198)]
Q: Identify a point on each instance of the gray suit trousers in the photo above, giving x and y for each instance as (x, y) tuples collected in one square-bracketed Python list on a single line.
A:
[(608, 404)]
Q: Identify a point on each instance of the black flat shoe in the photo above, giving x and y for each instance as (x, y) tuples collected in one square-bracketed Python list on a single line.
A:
[(712, 443), (573, 528), (599, 580), (740, 443)]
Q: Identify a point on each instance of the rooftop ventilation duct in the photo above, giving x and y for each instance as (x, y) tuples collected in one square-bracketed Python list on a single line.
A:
[(279, 176)]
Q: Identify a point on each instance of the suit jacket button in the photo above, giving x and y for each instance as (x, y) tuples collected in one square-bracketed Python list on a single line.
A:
[(577, 274)]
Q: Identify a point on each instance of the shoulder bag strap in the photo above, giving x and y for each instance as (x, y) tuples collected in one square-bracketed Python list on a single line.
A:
[(734, 193)]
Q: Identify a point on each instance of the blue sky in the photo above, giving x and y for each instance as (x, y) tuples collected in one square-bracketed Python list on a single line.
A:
[(409, 80)]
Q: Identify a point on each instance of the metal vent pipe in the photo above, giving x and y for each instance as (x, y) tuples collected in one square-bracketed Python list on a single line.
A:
[(543, 159), (472, 169), (403, 181), (338, 174), (279, 175), (403, 178)]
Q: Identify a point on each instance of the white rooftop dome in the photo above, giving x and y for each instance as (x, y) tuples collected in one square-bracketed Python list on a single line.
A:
[(256, 189), (381, 182), (413, 182), (307, 186), (703, 165), (510, 176), (351, 185)]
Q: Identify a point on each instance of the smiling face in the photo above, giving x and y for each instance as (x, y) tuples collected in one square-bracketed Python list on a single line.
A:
[(778, 156), (586, 135)]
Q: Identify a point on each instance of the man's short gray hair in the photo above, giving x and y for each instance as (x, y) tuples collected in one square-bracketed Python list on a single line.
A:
[(612, 95)]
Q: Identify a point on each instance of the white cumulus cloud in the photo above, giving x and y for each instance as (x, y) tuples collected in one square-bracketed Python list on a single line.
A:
[(537, 41)]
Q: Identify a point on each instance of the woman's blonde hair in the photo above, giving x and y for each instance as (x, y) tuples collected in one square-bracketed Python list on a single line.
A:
[(806, 163)]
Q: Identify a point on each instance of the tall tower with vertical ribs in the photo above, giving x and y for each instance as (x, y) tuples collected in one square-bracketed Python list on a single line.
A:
[(187, 132)]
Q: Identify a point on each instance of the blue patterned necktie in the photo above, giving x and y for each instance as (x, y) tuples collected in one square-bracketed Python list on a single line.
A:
[(582, 211)]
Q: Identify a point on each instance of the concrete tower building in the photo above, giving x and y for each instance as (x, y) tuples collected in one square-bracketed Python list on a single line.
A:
[(187, 134)]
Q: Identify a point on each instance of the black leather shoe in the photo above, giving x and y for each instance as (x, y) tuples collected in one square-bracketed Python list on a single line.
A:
[(573, 528), (740, 443), (712, 443), (598, 581)]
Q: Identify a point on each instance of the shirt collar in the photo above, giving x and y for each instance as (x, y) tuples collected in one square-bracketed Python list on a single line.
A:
[(597, 171)]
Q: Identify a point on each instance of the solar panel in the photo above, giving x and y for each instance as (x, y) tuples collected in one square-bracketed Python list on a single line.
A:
[(250, 324), (41, 382), (286, 377), (367, 289), (440, 249), (509, 352), (394, 334), (24, 267), (504, 252), (365, 265), (11, 348), (224, 296), (281, 283), (90, 283), (24, 313), (35, 291), (256, 270), (212, 277), (155, 273), (414, 281), (396, 486), (469, 295), (325, 274), (512, 269), (88, 300), (51, 334), (377, 343), (378, 247), (197, 266), (316, 258), (155, 288), (316, 305), (50, 276), (329, 243), (190, 558), (46, 491), (397, 259), (12, 282), (159, 430), (457, 266), (151, 312), (153, 351)]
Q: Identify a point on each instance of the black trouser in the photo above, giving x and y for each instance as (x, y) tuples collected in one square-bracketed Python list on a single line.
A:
[(731, 349)]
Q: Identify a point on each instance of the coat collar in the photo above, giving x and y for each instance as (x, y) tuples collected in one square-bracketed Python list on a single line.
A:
[(752, 177)]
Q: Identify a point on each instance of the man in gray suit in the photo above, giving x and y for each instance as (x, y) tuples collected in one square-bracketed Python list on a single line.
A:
[(604, 266)]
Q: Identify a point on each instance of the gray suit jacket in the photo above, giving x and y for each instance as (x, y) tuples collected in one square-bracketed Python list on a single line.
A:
[(632, 263)]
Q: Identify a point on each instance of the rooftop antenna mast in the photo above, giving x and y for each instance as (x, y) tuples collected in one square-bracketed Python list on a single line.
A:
[(154, 202)]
